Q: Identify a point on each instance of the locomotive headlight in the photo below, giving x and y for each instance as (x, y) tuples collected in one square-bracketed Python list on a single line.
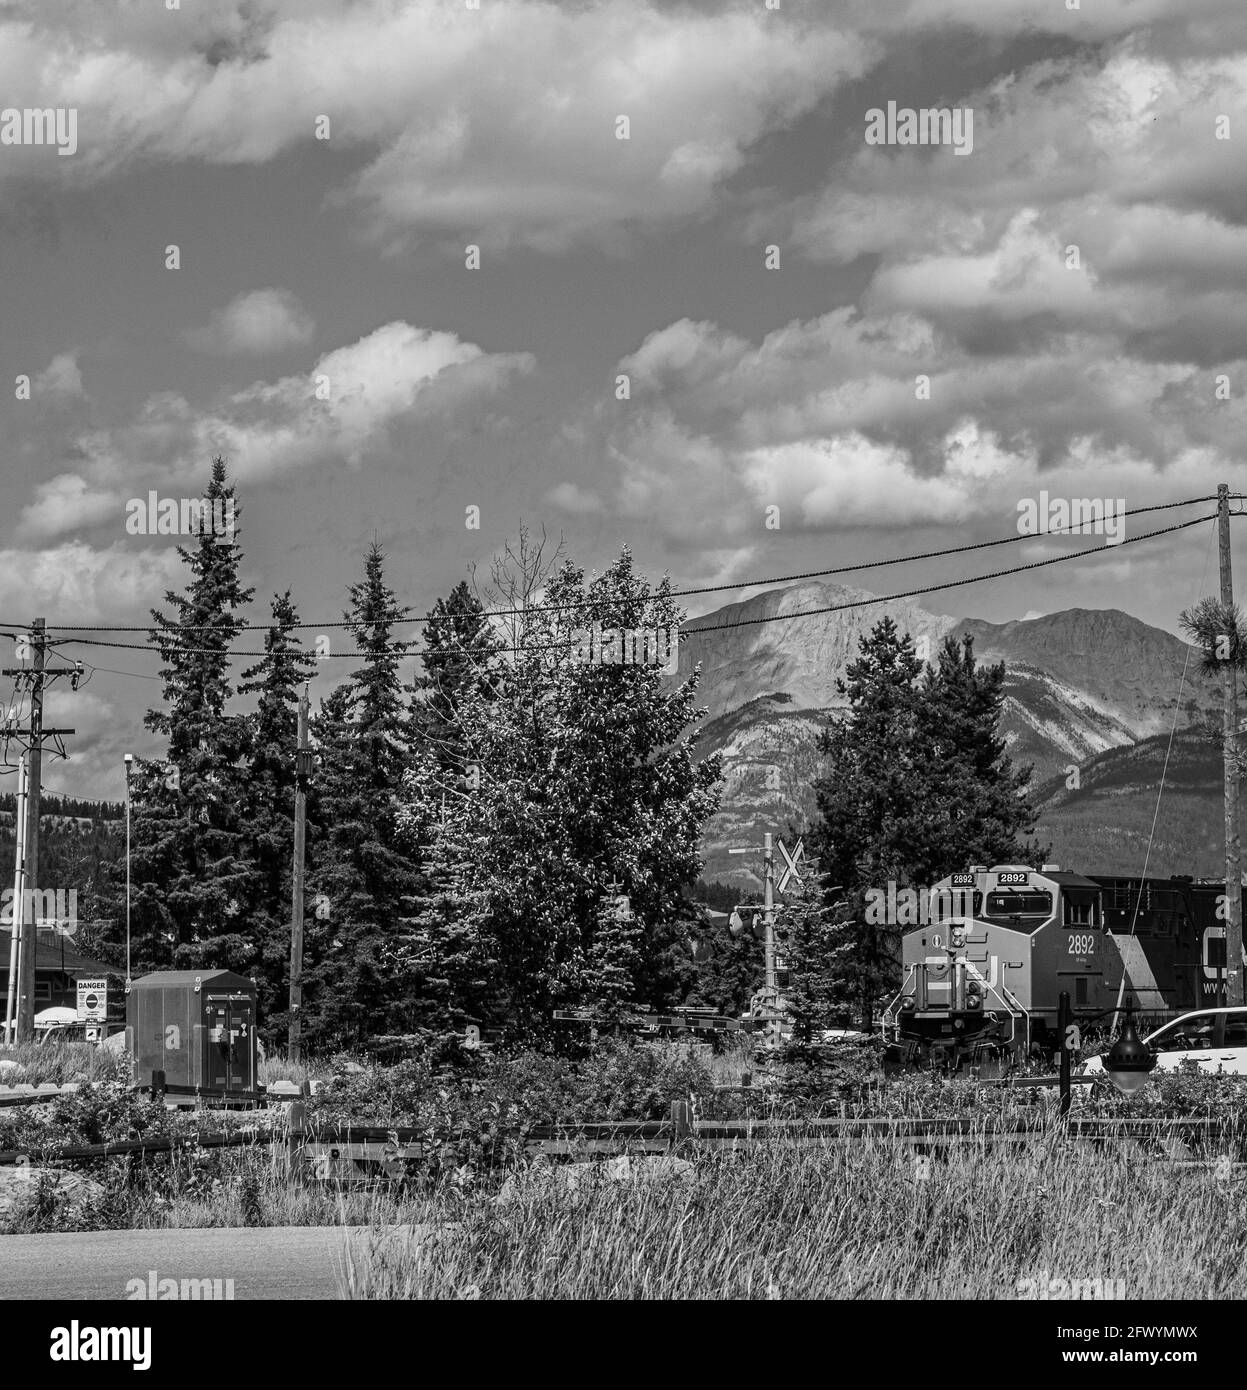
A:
[(974, 1002), (907, 1005), (973, 988)]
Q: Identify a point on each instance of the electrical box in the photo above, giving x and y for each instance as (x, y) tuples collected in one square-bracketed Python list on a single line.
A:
[(197, 1026)]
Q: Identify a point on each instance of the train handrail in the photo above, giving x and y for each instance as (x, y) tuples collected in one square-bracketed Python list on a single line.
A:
[(887, 1018)]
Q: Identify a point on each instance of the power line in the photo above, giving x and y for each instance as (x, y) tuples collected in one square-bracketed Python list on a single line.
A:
[(688, 631), (950, 584), (1012, 539)]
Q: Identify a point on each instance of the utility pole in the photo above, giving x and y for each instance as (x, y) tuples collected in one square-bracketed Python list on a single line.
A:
[(1229, 725), (302, 771), (19, 872), (30, 930), (27, 933)]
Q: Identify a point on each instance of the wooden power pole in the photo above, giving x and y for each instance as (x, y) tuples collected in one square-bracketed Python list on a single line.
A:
[(302, 771), (26, 923), (1229, 725), (30, 926)]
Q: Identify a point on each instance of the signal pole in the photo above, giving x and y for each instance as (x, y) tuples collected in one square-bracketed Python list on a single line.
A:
[(1229, 725), (302, 771), (768, 909), (768, 905)]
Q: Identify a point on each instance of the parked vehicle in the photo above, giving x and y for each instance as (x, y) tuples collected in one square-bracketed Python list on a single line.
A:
[(1214, 1039)]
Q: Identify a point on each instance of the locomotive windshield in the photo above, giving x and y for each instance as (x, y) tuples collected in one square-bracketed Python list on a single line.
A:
[(1006, 905)]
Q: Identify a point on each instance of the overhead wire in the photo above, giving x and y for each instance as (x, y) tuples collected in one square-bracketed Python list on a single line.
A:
[(1012, 539), (168, 640)]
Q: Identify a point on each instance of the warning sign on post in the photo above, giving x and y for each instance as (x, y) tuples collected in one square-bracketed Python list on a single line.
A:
[(92, 1001)]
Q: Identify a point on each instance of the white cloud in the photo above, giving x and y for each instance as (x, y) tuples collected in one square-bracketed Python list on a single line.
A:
[(60, 379), (496, 124), (76, 583), (396, 377), (570, 497), (260, 322), (65, 503)]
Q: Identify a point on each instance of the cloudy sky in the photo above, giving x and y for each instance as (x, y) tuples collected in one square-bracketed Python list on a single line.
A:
[(774, 288)]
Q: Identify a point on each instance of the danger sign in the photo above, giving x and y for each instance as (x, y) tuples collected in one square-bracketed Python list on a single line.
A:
[(92, 1001)]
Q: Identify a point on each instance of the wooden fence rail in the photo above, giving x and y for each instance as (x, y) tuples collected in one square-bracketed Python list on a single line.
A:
[(341, 1143)]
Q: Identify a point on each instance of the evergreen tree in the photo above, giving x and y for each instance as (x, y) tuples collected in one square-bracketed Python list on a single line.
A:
[(729, 969), (807, 930), (268, 806), (188, 861), (446, 959), (365, 877), (917, 785), (459, 656), (984, 812), (613, 961)]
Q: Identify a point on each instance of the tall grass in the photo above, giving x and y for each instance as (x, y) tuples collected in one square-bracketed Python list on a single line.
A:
[(61, 1062), (799, 1221)]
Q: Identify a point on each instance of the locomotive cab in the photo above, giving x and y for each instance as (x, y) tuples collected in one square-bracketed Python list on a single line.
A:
[(980, 985)]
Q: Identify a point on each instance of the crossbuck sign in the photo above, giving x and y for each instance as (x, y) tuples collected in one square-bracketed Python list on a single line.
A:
[(791, 861)]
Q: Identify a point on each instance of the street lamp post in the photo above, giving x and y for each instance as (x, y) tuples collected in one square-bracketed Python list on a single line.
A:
[(1127, 1064), (129, 764)]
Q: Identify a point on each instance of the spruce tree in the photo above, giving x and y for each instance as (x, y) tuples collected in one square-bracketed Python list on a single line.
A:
[(365, 877), (917, 784), (458, 658), (612, 963), (188, 859), (268, 805)]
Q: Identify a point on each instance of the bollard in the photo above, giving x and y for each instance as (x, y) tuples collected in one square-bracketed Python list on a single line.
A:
[(681, 1120)]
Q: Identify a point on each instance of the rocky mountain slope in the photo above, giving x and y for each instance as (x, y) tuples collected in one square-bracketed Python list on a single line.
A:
[(1081, 685)]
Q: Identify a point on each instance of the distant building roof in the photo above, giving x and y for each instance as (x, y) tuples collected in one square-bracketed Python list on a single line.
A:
[(53, 951)]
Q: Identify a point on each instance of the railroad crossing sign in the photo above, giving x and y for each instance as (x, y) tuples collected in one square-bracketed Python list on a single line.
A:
[(791, 860), (92, 1001)]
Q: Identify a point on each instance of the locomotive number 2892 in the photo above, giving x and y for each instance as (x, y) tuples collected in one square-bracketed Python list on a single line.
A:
[(1082, 944)]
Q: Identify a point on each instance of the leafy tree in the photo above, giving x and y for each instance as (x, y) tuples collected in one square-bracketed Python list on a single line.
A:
[(188, 858), (583, 775)]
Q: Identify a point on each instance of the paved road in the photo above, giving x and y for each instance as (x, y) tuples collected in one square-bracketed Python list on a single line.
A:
[(272, 1262)]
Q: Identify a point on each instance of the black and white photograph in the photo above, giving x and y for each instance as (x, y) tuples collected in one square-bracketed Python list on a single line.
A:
[(620, 676)]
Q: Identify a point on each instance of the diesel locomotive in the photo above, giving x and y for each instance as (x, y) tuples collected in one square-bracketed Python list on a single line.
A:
[(982, 972)]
